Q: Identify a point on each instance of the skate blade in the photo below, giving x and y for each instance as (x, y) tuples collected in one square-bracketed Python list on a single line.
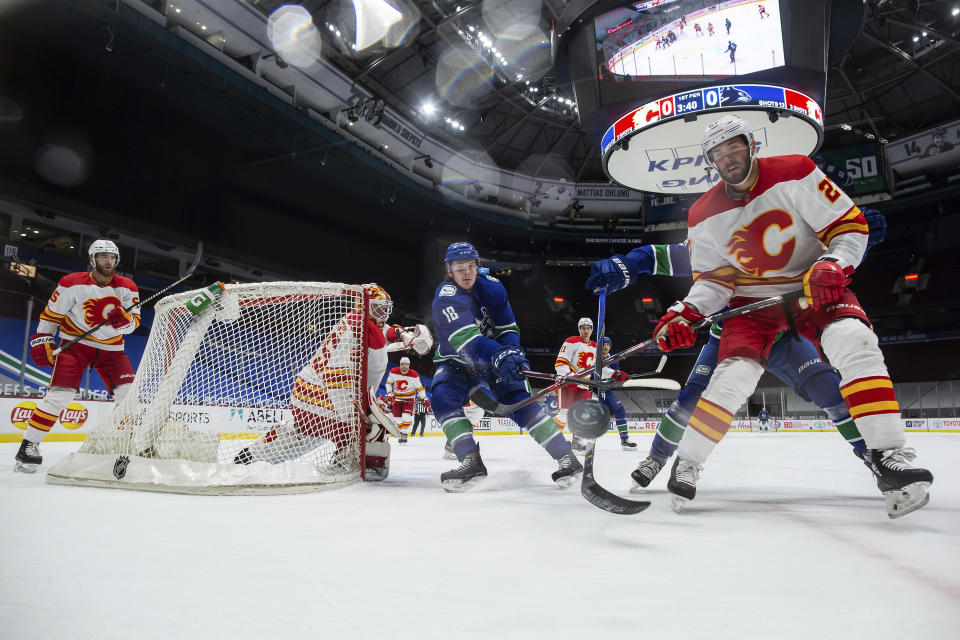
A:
[(678, 504), (627, 447), (906, 500), (449, 456), (459, 486), (568, 481), (636, 487), (25, 467)]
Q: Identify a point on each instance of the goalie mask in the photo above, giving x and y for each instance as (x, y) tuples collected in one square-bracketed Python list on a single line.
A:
[(103, 246), (727, 128), (380, 305)]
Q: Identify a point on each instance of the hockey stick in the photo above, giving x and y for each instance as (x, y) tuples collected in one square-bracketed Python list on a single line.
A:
[(606, 385), (488, 404), (590, 489), (193, 267), (610, 385)]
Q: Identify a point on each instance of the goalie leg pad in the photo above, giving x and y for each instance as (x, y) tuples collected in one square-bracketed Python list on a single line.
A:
[(377, 461)]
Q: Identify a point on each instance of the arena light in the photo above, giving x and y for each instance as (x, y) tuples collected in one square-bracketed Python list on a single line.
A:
[(558, 300), (646, 300), (911, 276)]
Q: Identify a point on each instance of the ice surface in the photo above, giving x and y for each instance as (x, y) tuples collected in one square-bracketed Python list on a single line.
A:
[(788, 538)]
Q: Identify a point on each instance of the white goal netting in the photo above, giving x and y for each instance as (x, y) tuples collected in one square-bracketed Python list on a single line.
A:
[(256, 392)]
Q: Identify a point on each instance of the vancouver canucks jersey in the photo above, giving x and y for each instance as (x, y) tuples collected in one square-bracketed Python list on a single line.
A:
[(472, 325)]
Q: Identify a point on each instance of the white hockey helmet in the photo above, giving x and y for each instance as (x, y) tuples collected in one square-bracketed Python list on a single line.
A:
[(404, 360), (726, 128), (585, 321), (103, 246)]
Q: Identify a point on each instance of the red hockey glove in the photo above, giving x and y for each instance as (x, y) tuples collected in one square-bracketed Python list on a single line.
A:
[(119, 318), (426, 403), (673, 331), (620, 376), (824, 282), (390, 399), (41, 350)]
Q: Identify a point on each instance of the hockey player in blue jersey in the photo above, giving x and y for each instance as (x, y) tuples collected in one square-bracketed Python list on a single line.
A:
[(479, 346), (613, 372), (793, 359), (763, 417)]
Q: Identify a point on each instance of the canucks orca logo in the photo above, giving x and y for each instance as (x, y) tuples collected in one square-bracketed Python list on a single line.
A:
[(733, 95)]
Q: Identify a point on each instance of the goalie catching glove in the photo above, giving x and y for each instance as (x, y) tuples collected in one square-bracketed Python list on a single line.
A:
[(416, 337), (825, 282), (674, 331), (41, 350)]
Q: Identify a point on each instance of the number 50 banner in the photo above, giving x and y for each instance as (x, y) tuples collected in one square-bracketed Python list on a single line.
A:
[(858, 170)]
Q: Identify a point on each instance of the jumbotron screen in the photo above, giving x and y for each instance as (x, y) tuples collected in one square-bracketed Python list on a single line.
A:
[(675, 42)]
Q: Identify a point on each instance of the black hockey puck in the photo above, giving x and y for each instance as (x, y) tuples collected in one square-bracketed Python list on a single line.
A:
[(588, 419)]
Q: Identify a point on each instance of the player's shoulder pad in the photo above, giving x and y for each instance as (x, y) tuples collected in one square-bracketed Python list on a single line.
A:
[(411, 373), (574, 339), (789, 167), (123, 282), (446, 290), (491, 278), (74, 279), (375, 337), (711, 203), (396, 370)]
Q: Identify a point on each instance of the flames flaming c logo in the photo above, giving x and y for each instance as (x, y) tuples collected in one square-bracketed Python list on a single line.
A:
[(747, 247), (95, 309)]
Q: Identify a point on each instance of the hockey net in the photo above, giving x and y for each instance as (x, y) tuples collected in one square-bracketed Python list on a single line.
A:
[(256, 393)]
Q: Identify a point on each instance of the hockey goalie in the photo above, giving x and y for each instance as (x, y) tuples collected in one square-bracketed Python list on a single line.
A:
[(323, 405)]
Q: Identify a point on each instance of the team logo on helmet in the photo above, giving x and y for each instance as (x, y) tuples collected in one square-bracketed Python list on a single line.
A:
[(748, 245), (461, 251)]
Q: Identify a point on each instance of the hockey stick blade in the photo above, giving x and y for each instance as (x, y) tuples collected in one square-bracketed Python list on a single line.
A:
[(600, 497), (141, 304), (642, 382)]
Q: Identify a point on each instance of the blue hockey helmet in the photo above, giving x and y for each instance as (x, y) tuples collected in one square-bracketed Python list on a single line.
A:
[(606, 340), (461, 251)]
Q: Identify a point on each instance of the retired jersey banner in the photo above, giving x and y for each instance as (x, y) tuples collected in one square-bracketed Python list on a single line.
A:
[(858, 170), (934, 151)]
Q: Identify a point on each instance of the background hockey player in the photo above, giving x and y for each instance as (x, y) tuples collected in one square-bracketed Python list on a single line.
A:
[(728, 24), (763, 419), (479, 346), (576, 355), (80, 302), (822, 237), (793, 359), (323, 407), (403, 387), (609, 398), (732, 48)]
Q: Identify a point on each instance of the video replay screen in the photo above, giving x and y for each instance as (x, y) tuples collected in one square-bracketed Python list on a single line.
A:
[(684, 40)]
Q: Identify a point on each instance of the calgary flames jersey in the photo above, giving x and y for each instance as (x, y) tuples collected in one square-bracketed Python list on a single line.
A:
[(79, 304), (404, 386), (325, 385), (761, 244), (575, 356)]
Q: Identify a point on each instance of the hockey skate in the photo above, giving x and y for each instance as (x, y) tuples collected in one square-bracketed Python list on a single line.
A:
[(570, 469), (448, 453), (470, 472), (28, 457), (403, 438), (644, 474), (577, 444), (626, 444), (905, 488), (683, 483)]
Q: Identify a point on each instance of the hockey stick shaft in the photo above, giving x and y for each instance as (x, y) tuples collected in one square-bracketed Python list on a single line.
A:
[(481, 399), (193, 267), (590, 489)]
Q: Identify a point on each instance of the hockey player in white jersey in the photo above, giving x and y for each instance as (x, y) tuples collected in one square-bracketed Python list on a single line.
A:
[(403, 387), (81, 301), (738, 257), (576, 355)]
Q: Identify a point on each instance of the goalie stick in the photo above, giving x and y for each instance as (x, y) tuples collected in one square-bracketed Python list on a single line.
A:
[(590, 489), (193, 267), (488, 404)]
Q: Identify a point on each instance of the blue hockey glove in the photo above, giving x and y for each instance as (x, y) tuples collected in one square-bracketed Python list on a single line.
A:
[(878, 227), (508, 362), (612, 273)]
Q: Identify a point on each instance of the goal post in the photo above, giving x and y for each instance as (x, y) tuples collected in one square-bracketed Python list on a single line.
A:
[(254, 393)]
